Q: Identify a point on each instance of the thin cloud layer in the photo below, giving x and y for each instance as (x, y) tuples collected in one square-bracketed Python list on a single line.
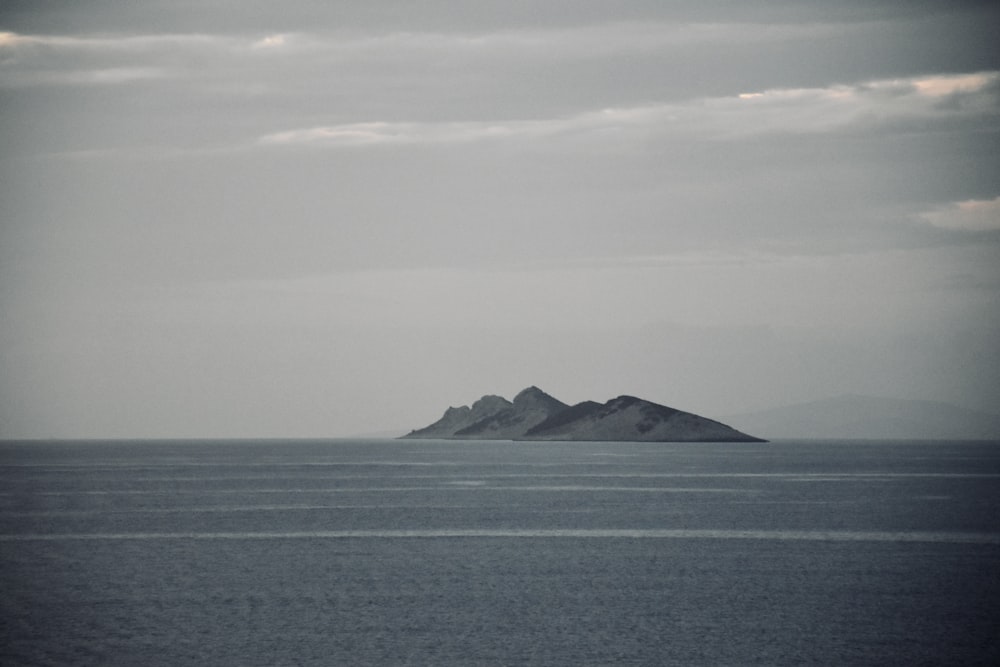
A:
[(970, 215), (746, 114), (586, 42)]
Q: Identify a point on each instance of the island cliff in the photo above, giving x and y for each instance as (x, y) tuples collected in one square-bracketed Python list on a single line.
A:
[(534, 415)]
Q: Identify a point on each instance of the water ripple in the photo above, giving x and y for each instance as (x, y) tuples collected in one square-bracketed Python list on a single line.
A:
[(530, 533)]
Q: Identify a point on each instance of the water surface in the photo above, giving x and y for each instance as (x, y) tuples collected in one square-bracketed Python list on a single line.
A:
[(499, 553)]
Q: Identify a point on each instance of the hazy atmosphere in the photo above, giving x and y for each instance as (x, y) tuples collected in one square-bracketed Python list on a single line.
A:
[(237, 219)]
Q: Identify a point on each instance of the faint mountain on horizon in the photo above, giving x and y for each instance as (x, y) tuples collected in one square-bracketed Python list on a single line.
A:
[(535, 415), (853, 416)]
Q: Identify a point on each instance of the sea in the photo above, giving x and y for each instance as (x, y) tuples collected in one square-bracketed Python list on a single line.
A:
[(433, 552)]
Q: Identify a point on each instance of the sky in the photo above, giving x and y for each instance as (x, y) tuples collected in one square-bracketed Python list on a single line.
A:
[(313, 219)]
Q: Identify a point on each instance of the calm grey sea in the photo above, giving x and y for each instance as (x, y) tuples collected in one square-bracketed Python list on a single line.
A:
[(497, 553)]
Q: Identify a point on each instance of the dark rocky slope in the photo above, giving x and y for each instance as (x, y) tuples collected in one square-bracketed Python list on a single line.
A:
[(534, 415)]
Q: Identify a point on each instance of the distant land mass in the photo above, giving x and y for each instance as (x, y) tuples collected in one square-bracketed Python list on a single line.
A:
[(534, 415), (870, 417)]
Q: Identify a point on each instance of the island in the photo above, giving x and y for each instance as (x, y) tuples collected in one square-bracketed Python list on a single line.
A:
[(535, 415)]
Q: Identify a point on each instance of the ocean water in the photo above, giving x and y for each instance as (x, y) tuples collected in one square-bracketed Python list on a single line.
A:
[(387, 552)]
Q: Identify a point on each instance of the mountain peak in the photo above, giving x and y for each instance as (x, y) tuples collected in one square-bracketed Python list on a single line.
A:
[(489, 404), (535, 397)]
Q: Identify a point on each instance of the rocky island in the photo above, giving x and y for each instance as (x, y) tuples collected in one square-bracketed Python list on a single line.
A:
[(534, 415)]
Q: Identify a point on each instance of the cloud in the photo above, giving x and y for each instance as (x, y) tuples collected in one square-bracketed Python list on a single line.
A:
[(53, 60), (355, 134), (10, 39), (120, 43), (796, 110), (557, 43), (271, 42), (82, 77), (859, 105), (971, 215), (937, 86)]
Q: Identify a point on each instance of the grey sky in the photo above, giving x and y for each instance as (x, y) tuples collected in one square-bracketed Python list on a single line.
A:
[(324, 218)]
